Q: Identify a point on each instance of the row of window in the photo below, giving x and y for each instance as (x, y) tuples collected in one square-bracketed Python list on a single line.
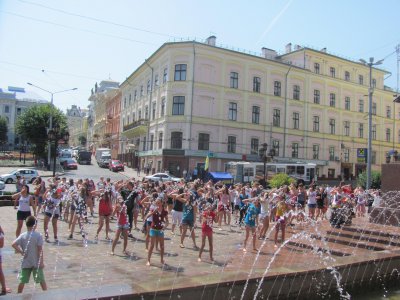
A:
[(7, 110), (204, 144), (332, 73)]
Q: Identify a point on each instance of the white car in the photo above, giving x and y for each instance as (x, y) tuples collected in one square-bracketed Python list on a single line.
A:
[(2, 185), (29, 174), (163, 177)]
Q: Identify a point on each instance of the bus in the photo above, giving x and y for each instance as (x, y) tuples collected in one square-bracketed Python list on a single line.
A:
[(243, 172)]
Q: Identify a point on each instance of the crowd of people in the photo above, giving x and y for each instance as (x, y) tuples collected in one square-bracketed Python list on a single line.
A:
[(186, 205)]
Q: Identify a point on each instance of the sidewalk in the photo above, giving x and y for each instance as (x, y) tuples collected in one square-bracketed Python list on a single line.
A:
[(132, 173)]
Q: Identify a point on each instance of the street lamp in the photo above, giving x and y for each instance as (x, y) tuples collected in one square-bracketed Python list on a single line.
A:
[(51, 116), (55, 135), (370, 64)]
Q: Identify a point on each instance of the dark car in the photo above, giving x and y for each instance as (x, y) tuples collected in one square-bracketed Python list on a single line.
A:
[(116, 165), (70, 164)]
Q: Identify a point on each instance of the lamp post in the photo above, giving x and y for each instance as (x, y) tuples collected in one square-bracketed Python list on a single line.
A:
[(55, 135), (370, 64), (51, 117)]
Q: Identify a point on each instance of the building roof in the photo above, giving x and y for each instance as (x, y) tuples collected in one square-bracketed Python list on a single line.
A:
[(18, 93)]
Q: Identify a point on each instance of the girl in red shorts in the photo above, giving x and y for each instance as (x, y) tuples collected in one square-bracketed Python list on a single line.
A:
[(122, 226), (208, 218), (105, 210)]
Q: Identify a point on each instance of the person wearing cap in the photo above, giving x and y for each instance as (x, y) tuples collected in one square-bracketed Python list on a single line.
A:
[(52, 211)]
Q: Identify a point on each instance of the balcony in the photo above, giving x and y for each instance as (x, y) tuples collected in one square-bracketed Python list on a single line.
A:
[(136, 128)]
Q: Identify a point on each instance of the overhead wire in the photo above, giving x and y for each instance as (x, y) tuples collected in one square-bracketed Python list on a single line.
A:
[(78, 29), (96, 19)]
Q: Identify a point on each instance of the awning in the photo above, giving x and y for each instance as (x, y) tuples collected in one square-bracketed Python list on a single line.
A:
[(220, 175)]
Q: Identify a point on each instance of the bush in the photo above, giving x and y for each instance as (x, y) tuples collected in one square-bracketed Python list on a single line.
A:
[(280, 179), (375, 180)]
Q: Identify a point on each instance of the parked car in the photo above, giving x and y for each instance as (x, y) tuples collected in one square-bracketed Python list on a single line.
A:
[(70, 164), (116, 165), (29, 174), (64, 156), (2, 185), (104, 163), (162, 177)]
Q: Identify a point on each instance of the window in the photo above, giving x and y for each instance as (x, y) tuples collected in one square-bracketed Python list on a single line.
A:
[(296, 120), (160, 138), (6, 109), (141, 90), (317, 96), (347, 75), (347, 103), (332, 100), (361, 79), (148, 86), (374, 83), (361, 105), (275, 146), (276, 119), (162, 107), (153, 112), (387, 134), (374, 108), (232, 114), (180, 72), (144, 144), (231, 144), (146, 112), (165, 75), (296, 92), (373, 132), (130, 99), (135, 95), (331, 173), (346, 128), (156, 80), (361, 130), (331, 153), (204, 141), (295, 150), (332, 125), (19, 111), (178, 105), (234, 82), (316, 68), (151, 141), (254, 146), (277, 88), (315, 151), (373, 157), (316, 124), (388, 112), (332, 72), (125, 102), (346, 153), (176, 140), (255, 116), (256, 84)]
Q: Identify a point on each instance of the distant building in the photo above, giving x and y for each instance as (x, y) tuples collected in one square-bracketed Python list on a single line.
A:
[(75, 120), (97, 118), (191, 99), (13, 102)]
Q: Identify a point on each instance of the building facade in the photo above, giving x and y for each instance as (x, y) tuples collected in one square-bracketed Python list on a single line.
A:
[(75, 120), (13, 102), (113, 111), (190, 100), (97, 118)]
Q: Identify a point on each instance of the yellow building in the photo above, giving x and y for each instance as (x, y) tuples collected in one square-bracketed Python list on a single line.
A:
[(190, 99)]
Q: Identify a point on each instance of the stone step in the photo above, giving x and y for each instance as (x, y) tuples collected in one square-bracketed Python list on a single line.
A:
[(300, 246), (350, 242), (371, 232), (355, 235)]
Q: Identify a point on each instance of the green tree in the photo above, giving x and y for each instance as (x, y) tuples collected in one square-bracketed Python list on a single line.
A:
[(3, 131), (375, 179), (33, 123), (82, 140), (280, 179)]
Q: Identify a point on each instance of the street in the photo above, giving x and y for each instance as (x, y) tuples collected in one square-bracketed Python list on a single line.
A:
[(92, 171)]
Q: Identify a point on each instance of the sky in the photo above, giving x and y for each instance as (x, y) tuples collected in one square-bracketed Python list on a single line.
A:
[(65, 44)]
